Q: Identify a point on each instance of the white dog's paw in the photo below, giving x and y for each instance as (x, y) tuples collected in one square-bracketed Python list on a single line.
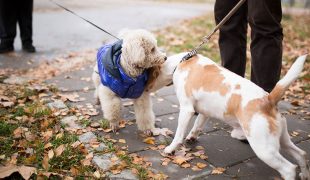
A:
[(148, 132), (169, 150), (114, 126)]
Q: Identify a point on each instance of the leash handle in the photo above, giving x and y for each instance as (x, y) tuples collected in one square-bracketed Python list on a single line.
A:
[(217, 27), (59, 5)]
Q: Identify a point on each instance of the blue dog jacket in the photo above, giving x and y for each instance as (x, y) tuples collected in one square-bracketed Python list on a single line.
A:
[(113, 76)]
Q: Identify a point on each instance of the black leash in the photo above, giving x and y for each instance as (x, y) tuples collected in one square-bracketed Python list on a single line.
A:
[(207, 38), (84, 19)]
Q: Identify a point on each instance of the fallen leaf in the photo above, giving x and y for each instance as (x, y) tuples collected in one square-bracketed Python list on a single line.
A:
[(97, 174), (218, 170), (201, 165), (71, 97), (122, 141), (18, 132), (24, 171), (149, 140), (294, 134), (75, 144), (59, 150), (45, 160), (50, 154), (199, 148), (48, 145), (199, 153), (204, 157), (180, 160), (162, 131), (195, 168), (47, 135), (74, 171), (60, 135), (7, 104), (186, 165)]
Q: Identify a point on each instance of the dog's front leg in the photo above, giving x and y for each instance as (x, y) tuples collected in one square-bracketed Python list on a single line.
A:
[(184, 118), (199, 125), (111, 106), (145, 117)]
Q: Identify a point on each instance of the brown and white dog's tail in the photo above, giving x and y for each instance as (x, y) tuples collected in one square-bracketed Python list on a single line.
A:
[(292, 74)]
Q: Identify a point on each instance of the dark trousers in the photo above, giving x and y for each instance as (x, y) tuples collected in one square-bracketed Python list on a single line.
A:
[(264, 18), (11, 13)]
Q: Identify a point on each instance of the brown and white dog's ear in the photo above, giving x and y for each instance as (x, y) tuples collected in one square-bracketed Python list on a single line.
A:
[(153, 74)]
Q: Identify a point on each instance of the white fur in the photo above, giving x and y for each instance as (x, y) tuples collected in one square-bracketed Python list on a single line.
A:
[(265, 143), (139, 52)]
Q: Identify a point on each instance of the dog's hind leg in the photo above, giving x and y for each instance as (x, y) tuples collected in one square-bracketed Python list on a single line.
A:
[(266, 146), (199, 126), (238, 133), (296, 152), (145, 116), (185, 116), (111, 106)]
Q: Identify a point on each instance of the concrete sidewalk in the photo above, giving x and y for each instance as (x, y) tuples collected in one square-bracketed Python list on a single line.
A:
[(236, 157), (57, 33)]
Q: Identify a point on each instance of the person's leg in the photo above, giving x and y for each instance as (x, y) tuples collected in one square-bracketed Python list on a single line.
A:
[(8, 20), (232, 40), (25, 24), (266, 45)]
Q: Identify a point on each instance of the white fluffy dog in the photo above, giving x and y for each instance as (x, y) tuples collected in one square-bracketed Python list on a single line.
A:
[(138, 54)]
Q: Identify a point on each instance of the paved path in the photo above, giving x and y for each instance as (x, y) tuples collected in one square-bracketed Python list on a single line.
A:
[(57, 32), (222, 150)]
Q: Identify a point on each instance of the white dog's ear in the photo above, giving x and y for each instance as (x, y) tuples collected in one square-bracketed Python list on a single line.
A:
[(134, 52), (123, 33)]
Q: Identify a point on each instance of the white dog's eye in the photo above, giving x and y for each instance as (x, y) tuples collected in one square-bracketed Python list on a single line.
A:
[(153, 49)]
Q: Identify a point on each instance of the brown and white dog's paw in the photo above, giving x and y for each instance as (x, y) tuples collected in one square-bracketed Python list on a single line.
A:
[(169, 150), (191, 139)]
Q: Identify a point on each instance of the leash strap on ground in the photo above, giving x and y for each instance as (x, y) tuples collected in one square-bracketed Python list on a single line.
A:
[(207, 38), (83, 19)]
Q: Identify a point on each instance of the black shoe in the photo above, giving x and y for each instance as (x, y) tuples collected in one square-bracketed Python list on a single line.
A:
[(29, 48), (4, 48)]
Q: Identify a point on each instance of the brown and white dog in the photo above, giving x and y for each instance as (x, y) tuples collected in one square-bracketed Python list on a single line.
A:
[(203, 86)]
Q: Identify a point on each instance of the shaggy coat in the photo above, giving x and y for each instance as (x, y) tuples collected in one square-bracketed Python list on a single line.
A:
[(139, 53)]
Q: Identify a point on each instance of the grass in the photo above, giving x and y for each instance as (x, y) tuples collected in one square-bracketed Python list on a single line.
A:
[(104, 123), (6, 128), (85, 122), (35, 119), (65, 139)]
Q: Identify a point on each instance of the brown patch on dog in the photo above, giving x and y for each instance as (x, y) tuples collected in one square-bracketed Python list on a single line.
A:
[(276, 94), (263, 106), (233, 105), (237, 86), (153, 74), (207, 77)]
